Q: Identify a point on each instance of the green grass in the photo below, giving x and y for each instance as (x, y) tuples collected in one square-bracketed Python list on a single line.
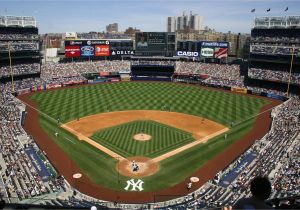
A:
[(68, 104), (164, 138)]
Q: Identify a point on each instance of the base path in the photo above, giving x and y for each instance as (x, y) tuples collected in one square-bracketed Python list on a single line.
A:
[(201, 128), (198, 126)]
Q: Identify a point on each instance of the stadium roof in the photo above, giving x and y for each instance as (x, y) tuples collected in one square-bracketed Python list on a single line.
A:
[(22, 21), (277, 22)]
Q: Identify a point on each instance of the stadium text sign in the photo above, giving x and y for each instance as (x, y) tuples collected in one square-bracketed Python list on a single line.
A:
[(187, 54), (122, 52), (214, 44)]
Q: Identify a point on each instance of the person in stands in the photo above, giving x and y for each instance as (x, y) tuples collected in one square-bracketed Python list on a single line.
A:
[(261, 190)]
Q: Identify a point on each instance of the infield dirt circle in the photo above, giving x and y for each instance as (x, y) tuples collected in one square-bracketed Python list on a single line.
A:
[(147, 167), (142, 137)]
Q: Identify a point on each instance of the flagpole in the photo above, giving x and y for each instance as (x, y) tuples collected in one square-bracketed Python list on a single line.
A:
[(11, 69), (290, 74)]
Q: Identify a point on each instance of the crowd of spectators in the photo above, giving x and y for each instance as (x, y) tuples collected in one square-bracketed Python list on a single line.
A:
[(274, 50), (266, 74), (224, 71), (24, 36), (19, 46), (218, 74), (20, 69), (76, 68), (19, 178), (266, 39), (23, 84), (215, 81)]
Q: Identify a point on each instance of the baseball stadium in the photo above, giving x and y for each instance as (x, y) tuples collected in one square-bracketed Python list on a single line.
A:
[(149, 122)]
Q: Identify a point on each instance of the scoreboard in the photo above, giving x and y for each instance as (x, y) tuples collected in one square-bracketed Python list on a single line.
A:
[(154, 43)]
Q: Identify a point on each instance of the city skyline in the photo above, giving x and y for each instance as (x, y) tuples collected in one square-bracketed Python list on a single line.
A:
[(147, 15)]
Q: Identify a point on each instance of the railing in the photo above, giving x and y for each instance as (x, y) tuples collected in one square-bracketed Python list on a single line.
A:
[(23, 21), (277, 22)]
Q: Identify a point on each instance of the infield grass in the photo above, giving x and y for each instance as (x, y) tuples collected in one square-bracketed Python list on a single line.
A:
[(164, 138)]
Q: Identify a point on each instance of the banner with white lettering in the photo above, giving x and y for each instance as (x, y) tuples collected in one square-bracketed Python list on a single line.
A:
[(187, 54), (38, 163)]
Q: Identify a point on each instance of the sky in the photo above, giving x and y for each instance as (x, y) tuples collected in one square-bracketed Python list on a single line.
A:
[(56, 16)]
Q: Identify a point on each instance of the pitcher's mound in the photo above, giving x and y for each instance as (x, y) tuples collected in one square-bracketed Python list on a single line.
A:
[(146, 167), (142, 137)]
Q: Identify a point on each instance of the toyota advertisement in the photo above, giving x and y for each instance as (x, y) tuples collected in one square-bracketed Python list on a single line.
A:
[(86, 48)]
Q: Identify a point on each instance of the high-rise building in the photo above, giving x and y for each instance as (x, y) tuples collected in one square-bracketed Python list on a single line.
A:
[(191, 22), (112, 28)]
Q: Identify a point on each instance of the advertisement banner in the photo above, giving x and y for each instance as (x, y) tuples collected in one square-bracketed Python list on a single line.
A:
[(215, 44), (87, 51), (207, 52), (23, 91), (38, 163), (275, 96), (121, 52), (53, 86), (72, 51), (221, 53), (187, 54), (70, 35), (86, 42), (102, 50), (239, 90), (104, 73)]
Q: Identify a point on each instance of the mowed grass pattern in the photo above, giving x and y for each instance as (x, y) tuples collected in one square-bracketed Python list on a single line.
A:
[(71, 103), (164, 138), (68, 104)]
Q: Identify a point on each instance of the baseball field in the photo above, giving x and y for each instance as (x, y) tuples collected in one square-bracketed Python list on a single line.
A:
[(170, 130)]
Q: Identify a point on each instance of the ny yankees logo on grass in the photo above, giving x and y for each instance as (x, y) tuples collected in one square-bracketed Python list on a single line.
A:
[(138, 184)]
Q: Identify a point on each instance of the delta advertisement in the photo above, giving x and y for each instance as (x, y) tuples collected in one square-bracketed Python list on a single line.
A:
[(86, 48), (217, 50)]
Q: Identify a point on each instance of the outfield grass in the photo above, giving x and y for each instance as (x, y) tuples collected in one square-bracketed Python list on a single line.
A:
[(71, 103), (164, 138), (68, 104)]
